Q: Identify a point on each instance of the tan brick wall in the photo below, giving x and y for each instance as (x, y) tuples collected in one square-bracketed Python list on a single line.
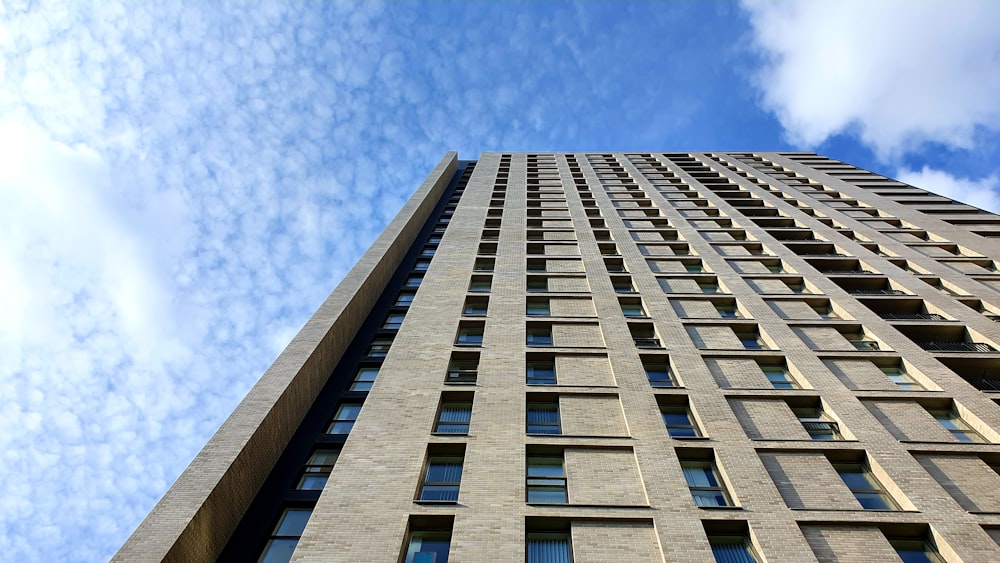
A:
[(768, 419), (714, 337), (656, 250), (844, 543), (860, 374), (968, 479), (614, 541), (561, 250), (769, 286), (580, 335), (568, 284), (732, 250), (603, 476), (652, 236), (591, 415), (823, 338), (584, 370), (679, 285), (791, 309), (572, 307), (695, 309), (563, 266), (667, 266), (907, 420), (737, 373), (364, 513), (749, 267), (808, 480)]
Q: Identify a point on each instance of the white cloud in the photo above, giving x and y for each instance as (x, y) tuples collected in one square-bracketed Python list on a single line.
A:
[(897, 72), (983, 193)]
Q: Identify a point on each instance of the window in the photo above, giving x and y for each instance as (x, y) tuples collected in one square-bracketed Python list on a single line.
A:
[(442, 479), (693, 267), (751, 341), (469, 336), (476, 306), (703, 480), (484, 265), (818, 424), (317, 470), (343, 421), (539, 336), (727, 311), (379, 347), (658, 373), (644, 335), (903, 380), (364, 378), (421, 265), (428, 547), (778, 377), (537, 307), (537, 283), (463, 369), (480, 283), (546, 480), (413, 282), (732, 549), (428, 251), (454, 418), (917, 550), (958, 427), (541, 372), (679, 422), (393, 321), (708, 287), (622, 284), (543, 418), (548, 548), (632, 308), (404, 299), (865, 487), (285, 535)]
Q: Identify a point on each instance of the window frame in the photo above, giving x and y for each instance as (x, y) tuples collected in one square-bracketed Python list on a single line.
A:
[(959, 428), (541, 481), (875, 490), (338, 420), (716, 487), (276, 534), (452, 406), (311, 470), (444, 485), (690, 423), (552, 420), (361, 382), (542, 365)]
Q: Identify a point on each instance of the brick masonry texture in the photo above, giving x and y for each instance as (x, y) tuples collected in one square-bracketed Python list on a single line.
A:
[(685, 234)]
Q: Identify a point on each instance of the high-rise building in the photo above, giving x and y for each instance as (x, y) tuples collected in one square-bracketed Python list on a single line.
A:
[(627, 357)]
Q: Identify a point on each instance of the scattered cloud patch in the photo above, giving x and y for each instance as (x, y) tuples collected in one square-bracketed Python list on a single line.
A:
[(896, 73), (983, 193)]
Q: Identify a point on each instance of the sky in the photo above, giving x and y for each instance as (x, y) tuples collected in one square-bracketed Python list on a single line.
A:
[(183, 183)]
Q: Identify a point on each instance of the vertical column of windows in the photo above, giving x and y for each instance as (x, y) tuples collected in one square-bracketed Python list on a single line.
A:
[(373, 345)]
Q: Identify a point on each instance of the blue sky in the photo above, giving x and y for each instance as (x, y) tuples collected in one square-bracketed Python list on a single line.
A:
[(181, 184)]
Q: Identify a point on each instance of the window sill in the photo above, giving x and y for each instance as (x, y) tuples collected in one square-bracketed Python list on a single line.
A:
[(856, 510), (579, 436), (572, 505), (719, 507), (692, 438), (435, 502), (460, 434), (947, 442)]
